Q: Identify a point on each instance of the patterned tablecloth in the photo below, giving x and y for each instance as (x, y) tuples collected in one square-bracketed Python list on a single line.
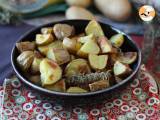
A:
[(139, 101)]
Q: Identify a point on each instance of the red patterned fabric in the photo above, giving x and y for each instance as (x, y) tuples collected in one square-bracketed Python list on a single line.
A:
[(139, 101)]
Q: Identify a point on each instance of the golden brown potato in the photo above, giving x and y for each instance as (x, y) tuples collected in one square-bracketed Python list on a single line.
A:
[(76, 67), (63, 30), (84, 39), (35, 65), (25, 46), (76, 90), (98, 62), (73, 57), (76, 37), (118, 80), (121, 70), (58, 86), (44, 39), (47, 30), (99, 85), (72, 45), (25, 59), (126, 57), (90, 47), (55, 44), (94, 28), (50, 72), (105, 45), (36, 62), (117, 40), (59, 55), (80, 35), (35, 79)]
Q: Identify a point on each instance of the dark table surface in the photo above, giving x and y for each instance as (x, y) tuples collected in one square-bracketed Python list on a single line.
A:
[(8, 37)]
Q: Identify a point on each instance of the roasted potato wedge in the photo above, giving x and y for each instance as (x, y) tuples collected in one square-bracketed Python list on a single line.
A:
[(94, 28), (47, 30), (59, 55), (71, 44), (90, 47), (76, 67), (99, 85), (98, 62), (105, 45), (35, 79), (63, 30), (126, 57), (118, 80), (55, 44), (25, 46), (58, 86), (76, 90), (60, 60), (25, 59), (121, 70), (36, 62), (50, 72), (73, 57), (44, 39), (84, 39), (117, 40), (35, 65)]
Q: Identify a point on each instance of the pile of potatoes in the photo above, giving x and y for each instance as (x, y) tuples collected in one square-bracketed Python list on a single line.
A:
[(57, 54), (117, 10)]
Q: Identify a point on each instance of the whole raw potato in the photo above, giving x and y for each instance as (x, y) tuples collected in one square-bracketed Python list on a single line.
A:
[(76, 12), (118, 10), (82, 3)]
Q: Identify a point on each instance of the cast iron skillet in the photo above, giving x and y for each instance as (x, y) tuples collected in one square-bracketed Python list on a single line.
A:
[(129, 45)]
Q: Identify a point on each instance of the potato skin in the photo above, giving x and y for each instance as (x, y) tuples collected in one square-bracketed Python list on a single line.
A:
[(59, 86), (76, 12), (76, 90), (107, 7), (71, 44), (76, 67), (25, 59), (125, 58), (63, 30), (99, 85), (35, 79), (36, 62), (25, 46), (55, 44), (59, 55), (47, 30), (121, 70), (105, 45)]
